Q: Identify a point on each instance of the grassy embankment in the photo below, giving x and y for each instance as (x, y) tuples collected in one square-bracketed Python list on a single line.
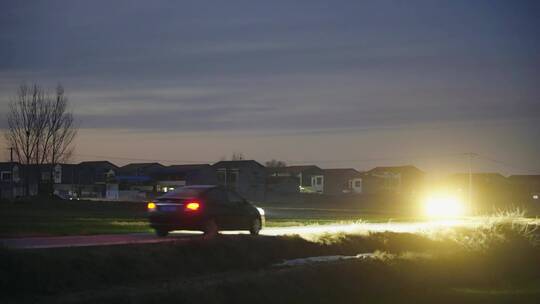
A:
[(497, 263), (45, 218)]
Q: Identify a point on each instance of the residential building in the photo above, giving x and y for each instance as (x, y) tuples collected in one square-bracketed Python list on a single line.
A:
[(247, 177), (486, 181), (138, 181), (311, 178), (175, 176), (141, 169), (405, 180), (489, 191), (11, 184), (87, 179), (282, 184), (526, 187), (66, 180), (342, 181), (94, 179)]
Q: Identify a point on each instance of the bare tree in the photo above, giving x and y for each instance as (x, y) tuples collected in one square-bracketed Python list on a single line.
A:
[(60, 131), (40, 129), (26, 121), (275, 164)]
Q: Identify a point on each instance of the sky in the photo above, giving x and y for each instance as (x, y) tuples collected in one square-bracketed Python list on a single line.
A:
[(334, 83)]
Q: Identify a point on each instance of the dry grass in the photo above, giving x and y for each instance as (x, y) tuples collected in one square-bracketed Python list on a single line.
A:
[(499, 257)]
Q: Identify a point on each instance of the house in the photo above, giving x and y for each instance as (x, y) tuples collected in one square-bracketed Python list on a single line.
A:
[(282, 184), (342, 181), (406, 180), (96, 172), (87, 179), (11, 184), (182, 175), (311, 178), (488, 181), (488, 191), (247, 177), (94, 179), (141, 169), (138, 181), (36, 179), (526, 187), (140, 176), (142, 180), (65, 180)]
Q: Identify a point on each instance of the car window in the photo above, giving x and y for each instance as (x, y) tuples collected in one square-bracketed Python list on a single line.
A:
[(183, 193), (234, 198)]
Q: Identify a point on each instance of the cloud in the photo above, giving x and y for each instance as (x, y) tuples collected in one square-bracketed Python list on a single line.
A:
[(275, 66)]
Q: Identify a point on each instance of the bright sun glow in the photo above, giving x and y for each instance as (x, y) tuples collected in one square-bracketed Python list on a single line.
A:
[(444, 206)]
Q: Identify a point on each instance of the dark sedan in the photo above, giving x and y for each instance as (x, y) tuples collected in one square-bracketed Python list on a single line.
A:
[(206, 208)]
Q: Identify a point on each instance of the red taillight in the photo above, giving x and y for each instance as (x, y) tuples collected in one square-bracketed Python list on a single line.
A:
[(193, 206)]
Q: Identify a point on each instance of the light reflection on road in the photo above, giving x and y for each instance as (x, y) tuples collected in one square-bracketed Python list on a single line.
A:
[(432, 226), (309, 232)]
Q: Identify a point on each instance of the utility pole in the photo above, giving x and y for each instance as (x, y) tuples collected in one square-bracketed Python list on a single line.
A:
[(471, 155), (11, 169)]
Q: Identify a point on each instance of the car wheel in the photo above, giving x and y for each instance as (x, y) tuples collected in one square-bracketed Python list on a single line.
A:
[(162, 233), (210, 228), (255, 227)]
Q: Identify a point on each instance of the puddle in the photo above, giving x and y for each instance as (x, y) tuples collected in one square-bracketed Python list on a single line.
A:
[(323, 259)]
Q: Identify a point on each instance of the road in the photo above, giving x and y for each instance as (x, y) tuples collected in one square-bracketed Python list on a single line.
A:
[(310, 232), (87, 240)]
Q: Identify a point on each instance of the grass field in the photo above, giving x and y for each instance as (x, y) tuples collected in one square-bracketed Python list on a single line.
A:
[(496, 264), (47, 218), (43, 218)]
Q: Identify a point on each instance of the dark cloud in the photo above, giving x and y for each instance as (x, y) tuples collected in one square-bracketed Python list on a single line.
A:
[(277, 65)]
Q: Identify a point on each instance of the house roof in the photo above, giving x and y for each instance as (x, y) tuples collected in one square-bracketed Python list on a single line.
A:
[(237, 163), (524, 178), (395, 169), (142, 169), (342, 171), (97, 163), (134, 166), (185, 169), (7, 165), (295, 169), (190, 167), (482, 174), (488, 176)]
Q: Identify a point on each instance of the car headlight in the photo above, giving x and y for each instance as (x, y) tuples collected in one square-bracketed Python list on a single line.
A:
[(261, 210)]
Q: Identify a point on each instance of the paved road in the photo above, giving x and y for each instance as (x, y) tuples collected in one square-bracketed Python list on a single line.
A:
[(308, 232), (89, 240)]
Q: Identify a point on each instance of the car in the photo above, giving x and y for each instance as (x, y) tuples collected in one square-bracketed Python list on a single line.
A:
[(207, 208)]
